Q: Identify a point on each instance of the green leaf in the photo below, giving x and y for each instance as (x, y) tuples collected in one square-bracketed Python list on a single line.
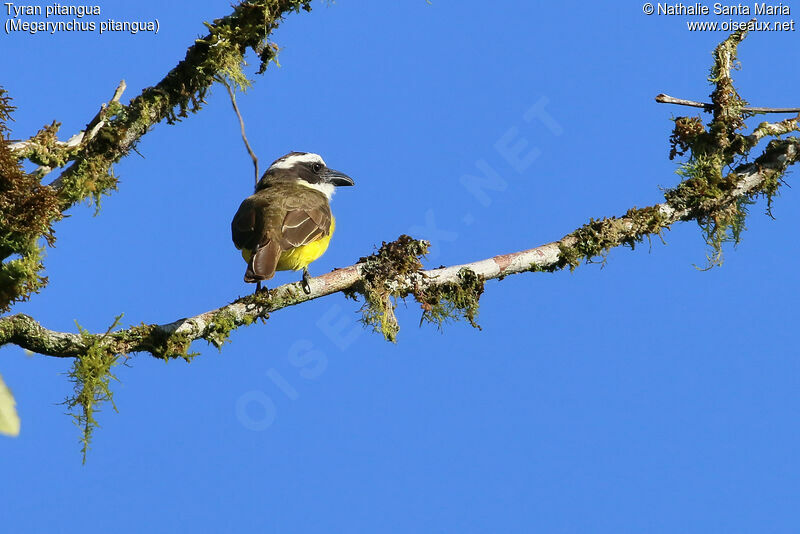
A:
[(9, 420)]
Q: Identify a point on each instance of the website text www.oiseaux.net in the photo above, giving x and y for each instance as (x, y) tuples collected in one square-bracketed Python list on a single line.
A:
[(734, 25)]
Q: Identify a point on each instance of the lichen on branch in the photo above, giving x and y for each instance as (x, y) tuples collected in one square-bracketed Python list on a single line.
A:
[(29, 209), (714, 148), (381, 283), (27, 213), (220, 53), (717, 186), (91, 378), (453, 300)]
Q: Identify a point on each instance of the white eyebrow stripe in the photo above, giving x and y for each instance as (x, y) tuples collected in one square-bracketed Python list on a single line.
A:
[(291, 161)]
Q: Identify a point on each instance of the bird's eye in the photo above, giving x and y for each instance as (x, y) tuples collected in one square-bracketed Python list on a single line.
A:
[(316, 167)]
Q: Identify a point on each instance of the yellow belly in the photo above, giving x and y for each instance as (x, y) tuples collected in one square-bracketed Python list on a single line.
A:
[(297, 258)]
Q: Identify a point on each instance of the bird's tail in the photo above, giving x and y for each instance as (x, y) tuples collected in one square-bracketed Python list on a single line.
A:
[(263, 263)]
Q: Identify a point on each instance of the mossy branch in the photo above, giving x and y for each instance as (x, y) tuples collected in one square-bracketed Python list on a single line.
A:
[(110, 135), (718, 185), (585, 244), (715, 148), (27, 211), (392, 273), (182, 90)]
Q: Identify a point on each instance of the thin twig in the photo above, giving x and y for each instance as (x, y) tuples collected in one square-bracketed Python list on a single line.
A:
[(81, 137), (98, 121), (666, 99), (74, 142), (120, 89), (241, 124)]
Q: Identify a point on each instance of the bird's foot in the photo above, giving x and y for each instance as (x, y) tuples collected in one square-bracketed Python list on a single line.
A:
[(306, 282), (259, 288)]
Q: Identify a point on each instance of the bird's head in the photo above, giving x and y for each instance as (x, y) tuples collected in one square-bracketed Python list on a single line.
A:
[(304, 168)]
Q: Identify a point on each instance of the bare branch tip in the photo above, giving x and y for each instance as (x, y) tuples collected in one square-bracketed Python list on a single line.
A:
[(118, 92)]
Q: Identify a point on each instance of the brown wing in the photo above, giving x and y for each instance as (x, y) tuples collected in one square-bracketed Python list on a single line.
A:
[(249, 231), (245, 231), (268, 226), (303, 226)]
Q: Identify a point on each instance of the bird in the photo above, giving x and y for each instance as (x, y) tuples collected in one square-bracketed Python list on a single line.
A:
[(287, 223)]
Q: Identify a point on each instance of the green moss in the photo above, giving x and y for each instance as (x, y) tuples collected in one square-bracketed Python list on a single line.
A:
[(706, 184), (385, 279), (774, 178), (27, 211), (770, 187), (21, 277), (452, 301), (378, 313), (92, 180), (592, 241), (91, 377), (261, 299), (169, 346), (43, 148), (687, 133), (159, 343), (220, 327), (704, 193), (181, 91), (378, 286), (226, 57), (550, 268), (728, 106)]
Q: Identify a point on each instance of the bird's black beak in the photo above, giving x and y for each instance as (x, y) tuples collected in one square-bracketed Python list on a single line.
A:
[(337, 178)]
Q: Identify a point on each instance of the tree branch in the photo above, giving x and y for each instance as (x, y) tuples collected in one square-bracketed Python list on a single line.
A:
[(706, 194), (592, 240), (33, 148), (109, 136), (666, 99), (184, 87), (252, 154), (115, 130)]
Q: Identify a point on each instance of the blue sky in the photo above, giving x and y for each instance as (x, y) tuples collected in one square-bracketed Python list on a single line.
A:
[(645, 396)]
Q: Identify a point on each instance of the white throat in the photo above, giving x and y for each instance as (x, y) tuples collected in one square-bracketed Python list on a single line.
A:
[(326, 189)]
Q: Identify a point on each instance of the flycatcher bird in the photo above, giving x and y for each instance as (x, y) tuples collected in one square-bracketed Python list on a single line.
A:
[(287, 223)]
